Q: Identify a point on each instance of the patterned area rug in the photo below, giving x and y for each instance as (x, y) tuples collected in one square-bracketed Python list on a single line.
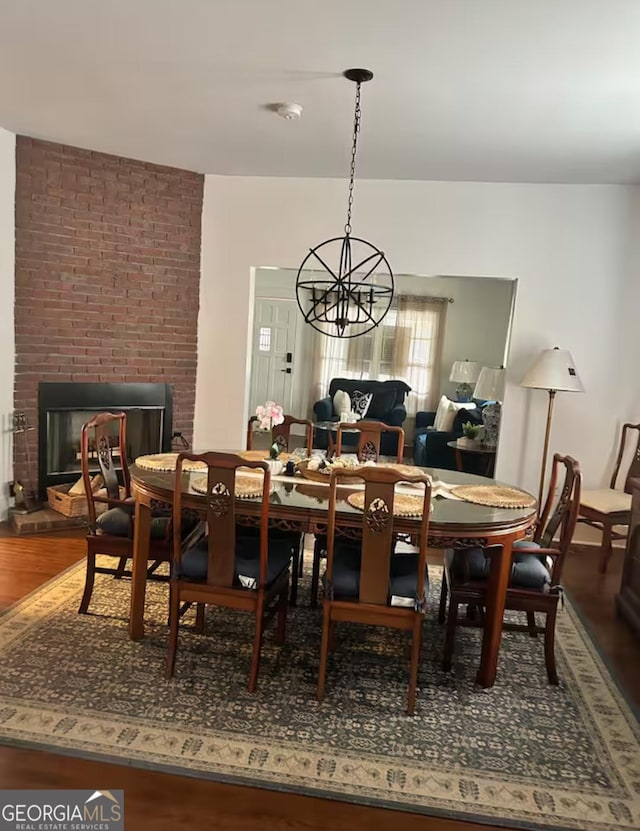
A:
[(523, 754)]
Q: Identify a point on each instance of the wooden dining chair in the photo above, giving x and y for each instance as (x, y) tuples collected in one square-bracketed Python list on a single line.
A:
[(371, 584), (282, 437), (282, 433), (368, 449), (610, 507), (227, 569), (369, 435), (111, 530), (535, 583)]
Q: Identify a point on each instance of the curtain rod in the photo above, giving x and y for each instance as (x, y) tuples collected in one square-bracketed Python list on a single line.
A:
[(427, 299)]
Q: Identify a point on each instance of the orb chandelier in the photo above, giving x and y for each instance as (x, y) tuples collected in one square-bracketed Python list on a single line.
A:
[(344, 286)]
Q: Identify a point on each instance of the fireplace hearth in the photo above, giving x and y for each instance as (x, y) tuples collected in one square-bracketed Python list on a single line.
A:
[(64, 407)]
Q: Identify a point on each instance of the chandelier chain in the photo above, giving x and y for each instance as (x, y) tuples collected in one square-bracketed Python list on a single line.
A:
[(354, 150)]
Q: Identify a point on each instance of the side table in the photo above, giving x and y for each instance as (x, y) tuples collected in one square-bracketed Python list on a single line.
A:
[(478, 450)]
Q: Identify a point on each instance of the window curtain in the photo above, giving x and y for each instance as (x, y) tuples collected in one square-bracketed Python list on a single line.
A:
[(329, 360), (413, 353), (417, 350)]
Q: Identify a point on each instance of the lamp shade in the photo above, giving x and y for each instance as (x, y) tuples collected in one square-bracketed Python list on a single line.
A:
[(464, 372), (553, 370), (490, 384)]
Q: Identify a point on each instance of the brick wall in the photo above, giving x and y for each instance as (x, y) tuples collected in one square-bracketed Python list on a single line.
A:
[(107, 275)]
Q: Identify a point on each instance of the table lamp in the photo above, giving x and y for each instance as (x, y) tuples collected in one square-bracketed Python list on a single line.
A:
[(553, 371), (465, 374), (490, 387)]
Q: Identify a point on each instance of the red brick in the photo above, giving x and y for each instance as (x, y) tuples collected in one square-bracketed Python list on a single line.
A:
[(107, 274)]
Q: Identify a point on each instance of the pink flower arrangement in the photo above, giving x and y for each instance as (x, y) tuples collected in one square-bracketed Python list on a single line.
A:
[(269, 415)]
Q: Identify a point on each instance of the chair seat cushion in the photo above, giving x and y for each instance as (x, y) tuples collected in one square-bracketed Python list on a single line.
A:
[(402, 576), (119, 523), (194, 564), (607, 500), (528, 571)]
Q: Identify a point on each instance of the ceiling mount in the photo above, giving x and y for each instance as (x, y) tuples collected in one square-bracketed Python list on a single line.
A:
[(360, 76)]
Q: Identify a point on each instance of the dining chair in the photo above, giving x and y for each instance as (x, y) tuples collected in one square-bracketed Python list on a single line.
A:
[(226, 568), (610, 507), (367, 449), (282, 433), (282, 437), (368, 582), (535, 583), (103, 444), (369, 435)]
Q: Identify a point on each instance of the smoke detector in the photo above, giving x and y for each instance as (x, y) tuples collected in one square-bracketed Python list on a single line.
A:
[(291, 112)]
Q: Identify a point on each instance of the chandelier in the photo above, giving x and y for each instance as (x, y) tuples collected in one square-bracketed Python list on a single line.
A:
[(344, 286)]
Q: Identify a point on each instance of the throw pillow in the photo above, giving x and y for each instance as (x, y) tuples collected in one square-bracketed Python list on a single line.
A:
[(441, 412), (454, 406), (360, 402), (341, 402)]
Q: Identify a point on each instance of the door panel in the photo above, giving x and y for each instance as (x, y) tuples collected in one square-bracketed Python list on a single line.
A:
[(274, 334)]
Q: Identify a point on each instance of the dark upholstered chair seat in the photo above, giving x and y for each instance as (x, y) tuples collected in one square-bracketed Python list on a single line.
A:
[(194, 562), (117, 522), (403, 576), (528, 571)]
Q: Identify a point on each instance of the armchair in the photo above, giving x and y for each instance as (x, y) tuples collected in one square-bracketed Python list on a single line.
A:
[(430, 445)]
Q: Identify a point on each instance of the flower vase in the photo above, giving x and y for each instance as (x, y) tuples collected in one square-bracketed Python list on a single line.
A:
[(275, 449)]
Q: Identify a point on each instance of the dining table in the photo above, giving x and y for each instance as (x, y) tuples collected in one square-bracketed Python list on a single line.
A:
[(298, 504)]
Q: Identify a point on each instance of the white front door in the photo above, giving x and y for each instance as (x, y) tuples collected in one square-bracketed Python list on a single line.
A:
[(272, 362)]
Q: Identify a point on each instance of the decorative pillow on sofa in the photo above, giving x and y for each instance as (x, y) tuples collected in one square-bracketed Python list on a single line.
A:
[(341, 403), (446, 413), (441, 412), (360, 402)]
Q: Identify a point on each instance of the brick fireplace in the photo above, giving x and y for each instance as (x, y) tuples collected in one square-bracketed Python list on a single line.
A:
[(107, 277)]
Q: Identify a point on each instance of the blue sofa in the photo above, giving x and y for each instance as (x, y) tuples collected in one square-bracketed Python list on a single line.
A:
[(430, 445), (387, 405)]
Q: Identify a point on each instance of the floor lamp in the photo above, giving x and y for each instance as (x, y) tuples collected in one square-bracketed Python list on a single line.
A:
[(553, 371)]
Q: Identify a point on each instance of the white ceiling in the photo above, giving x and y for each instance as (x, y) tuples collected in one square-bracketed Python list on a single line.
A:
[(490, 90)]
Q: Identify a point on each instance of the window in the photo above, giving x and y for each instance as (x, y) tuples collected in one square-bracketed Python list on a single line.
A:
[(264, 339), (406, 346)]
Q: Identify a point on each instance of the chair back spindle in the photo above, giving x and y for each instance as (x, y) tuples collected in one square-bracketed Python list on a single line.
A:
[(564, 514), (220, 513), (96, 437), (369, 437), (282, 433), (378, 533), (634, 467)]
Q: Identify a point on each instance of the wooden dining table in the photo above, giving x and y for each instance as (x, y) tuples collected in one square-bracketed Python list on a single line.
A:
[(301, 505)]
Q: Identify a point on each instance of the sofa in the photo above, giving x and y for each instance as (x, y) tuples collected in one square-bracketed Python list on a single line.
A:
[(387, 405), (430, 445)]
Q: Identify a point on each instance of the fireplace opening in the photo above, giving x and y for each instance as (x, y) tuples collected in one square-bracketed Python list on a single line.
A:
[(64, 407)]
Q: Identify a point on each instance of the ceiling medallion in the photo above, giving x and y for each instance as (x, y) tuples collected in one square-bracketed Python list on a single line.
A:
[(344, 286)]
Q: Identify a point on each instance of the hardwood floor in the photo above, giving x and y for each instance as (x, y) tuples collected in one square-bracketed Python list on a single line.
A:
[(163, 802)]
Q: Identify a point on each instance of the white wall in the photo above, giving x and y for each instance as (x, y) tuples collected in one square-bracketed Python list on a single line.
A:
[(567, 244), (7, 347)]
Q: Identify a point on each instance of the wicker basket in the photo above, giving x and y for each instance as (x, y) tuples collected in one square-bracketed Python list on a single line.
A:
[(72, 504)]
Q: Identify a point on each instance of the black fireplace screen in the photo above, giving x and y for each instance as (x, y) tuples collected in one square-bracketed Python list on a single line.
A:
[(144, 435), (64, 407)]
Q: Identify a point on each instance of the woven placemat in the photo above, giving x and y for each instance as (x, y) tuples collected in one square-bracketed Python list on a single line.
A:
[(262, 456), (247, 487), (166, 463), (494, 496), (403, 504)]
